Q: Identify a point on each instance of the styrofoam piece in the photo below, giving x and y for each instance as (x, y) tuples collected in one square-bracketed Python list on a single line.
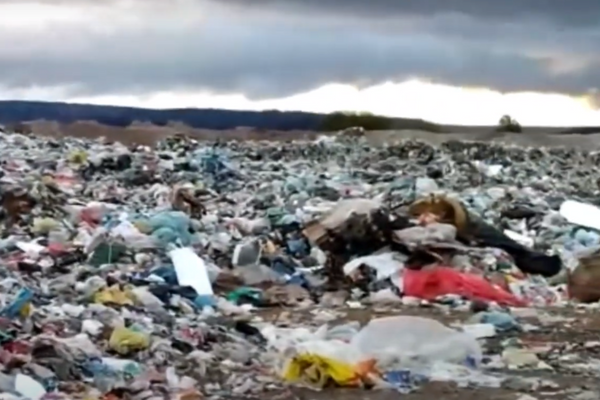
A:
[(191, 271), (582, 214)]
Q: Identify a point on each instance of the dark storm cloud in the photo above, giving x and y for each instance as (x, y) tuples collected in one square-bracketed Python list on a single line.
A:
[(574, 12), (277, 48)]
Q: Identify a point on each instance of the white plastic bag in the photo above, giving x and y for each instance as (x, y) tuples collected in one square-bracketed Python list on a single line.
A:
[(385, 265), (405, 339)]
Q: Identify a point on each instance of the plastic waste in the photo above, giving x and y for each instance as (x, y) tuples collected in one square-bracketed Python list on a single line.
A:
[(430, 284), (167, 228), (385, 265), (80, 343), (130, 367), (415, 340), (92, 327), (343, 332), (133, 238), (191, 271), (581, 214), (480, 331), (247, 253), (125, 340), (425, 186), (42, 226), (404, 380), (28, 387), (114, 295), (247, 295), (317, 371), (502, 321), (21, 305), (143, 296), (586, 238), (107, 253)]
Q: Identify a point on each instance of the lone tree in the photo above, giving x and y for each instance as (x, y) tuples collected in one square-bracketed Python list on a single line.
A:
[(508, 124)]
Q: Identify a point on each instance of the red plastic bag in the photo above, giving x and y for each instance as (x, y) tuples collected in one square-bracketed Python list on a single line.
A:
[(430, 283)]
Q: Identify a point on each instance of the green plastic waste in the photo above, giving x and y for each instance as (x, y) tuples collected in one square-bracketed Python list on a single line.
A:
[(107, 253), (247, 295)]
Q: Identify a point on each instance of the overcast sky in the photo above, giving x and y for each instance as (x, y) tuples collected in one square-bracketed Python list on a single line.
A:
[(267, 49)]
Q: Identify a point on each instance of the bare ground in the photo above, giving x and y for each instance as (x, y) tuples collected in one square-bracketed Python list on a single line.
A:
[(537, 139), (147, 134)]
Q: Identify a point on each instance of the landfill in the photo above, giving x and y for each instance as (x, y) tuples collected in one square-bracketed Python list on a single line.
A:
[(298, 269)]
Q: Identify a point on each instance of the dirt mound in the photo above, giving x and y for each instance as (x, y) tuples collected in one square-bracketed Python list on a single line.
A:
[(140, 132), (145, 133)]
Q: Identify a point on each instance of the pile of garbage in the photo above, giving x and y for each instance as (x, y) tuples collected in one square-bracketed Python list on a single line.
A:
[(149, 272)]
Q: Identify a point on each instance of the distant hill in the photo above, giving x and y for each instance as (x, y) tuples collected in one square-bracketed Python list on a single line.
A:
[(12, 112)]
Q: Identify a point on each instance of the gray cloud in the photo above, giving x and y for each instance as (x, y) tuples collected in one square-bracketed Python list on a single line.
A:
[(576, 12), (267, 48)]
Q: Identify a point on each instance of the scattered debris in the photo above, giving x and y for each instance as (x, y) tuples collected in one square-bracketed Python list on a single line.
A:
[(204, 270)]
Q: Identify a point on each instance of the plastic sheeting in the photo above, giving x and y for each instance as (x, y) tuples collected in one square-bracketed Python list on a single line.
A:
[(429, 284), (168, 227)]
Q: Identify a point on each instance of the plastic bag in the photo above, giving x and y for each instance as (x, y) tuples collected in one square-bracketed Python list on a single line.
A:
[(315, 361), (385, 265), (133, 237), (429, 284), (318, 371), (167, 227), (403, 340), (124, 340), (144, 297), (343, 332), (44, 225), (114, 295), (20, 306), (29, 387)]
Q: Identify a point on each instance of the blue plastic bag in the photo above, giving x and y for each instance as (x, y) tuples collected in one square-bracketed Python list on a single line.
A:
[(14, 309), (170, 227)]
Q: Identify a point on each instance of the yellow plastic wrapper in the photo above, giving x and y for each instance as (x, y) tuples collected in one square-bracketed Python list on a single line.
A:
[(114, 295), (44, 225), (26, 310), (319, 371), (78, 157), (124, 340)]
